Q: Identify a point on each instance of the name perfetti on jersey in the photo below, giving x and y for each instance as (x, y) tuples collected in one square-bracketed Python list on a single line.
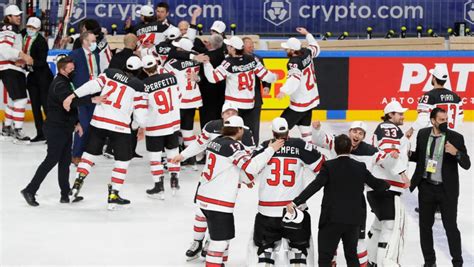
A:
[(160, 84)]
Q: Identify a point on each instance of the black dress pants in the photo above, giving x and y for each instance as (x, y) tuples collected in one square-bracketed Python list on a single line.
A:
[(59, 152), (429, 198), (329, 236), (37, 87), (251, 118)]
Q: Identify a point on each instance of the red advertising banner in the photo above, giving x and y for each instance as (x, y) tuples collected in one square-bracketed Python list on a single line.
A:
[(373, 82)]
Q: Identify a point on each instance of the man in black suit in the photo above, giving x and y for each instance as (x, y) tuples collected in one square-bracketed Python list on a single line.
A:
[(437, 155), (343, 205), (119, 60), (40, 76)]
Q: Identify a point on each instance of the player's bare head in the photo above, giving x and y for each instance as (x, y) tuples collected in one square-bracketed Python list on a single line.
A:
[(248, 45), (86, 38), (342, 144), (162, 11), (215, 42), (280, 128), (357, 132), (438, 116), (130, 41), (65, 65), (183, 27)]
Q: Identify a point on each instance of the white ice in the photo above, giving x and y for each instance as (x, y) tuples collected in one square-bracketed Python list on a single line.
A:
[(155, 232)]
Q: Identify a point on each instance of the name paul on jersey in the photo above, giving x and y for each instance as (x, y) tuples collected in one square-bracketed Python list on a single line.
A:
[(121, 78)]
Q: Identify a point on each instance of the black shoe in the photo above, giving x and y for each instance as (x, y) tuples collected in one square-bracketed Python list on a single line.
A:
[(76, 188), (135, 155), (114, 200), (30, 198), (174, 182), (158, 191), (193, 252), (429, 265), (38, 138), (64, 199)]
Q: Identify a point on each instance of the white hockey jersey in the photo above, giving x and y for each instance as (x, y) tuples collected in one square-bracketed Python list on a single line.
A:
[(389, 137), (11, 45), (220, 178), (440, 98), (124, 96), (163, 96), (282, 179), (105, 54), (183, 70), (301, 83), (239, 73)]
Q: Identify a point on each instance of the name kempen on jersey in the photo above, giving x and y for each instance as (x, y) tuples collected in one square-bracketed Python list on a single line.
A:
[(160, 84), (288, 150)]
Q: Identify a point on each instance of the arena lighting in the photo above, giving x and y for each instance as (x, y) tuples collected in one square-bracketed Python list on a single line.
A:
[(326, 36), (451, 32), (343, 36), (114, 29), (199, 27), (389, 34), (419, 31), (403, 32), (431, 33), (467, 32), (369, 32), (233, 28), (71, 31)]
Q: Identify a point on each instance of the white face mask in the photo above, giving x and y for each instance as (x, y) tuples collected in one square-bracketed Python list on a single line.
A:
[(31, 32), (93, 46)]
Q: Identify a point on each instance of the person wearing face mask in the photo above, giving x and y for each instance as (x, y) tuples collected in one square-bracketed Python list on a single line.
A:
[(87, 62), (438, 152), (40, 76), (59, 126)]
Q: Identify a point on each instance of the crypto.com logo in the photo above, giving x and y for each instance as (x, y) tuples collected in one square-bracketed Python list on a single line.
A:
[(469, 11), (79, 11), (277, 11)]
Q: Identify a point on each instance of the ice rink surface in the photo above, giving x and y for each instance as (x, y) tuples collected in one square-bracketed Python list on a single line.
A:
[(155, 232)]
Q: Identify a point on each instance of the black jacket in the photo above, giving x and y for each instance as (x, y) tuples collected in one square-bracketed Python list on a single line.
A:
[(449, 169), (39, 52), (343, 179), (58, 117), (119, 60)]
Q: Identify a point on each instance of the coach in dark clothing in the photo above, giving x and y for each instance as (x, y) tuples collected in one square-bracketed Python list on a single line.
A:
[(40, 76), (59, 126), (119, 60), (343, 205), (438, 153)]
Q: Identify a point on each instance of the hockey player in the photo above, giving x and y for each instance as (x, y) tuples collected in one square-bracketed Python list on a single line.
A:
[(386, 235), (363, 152), (111, 120), (162, 124), (280, 182), (438, 97), (210, 132), (187, 70), (239, 70), (301, 83), (162, 50), (149, 31), (216, 196), (12, 74)]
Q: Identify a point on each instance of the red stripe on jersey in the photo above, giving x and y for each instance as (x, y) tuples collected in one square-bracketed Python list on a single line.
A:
[(200, 229), (380, 156), (242, 100), (389, 141), (320, 164), (274, 203), (388, 150), (18, 109), (174, 169), (215, 201), (304, 104), (7, 42), (396, 184), (163, 126), (154, 163), (83, 160), (362, 254), (192, 138), (119, 170), (117, 180), (215, 253), (225, 258), (114, 122), (246, 164), (212, 264), (237, 160), (220, 73), (200, 219), (264, 74), (160, 172), (141, 106), (250, 176), (216, 78), (197, 98), (205, 136), (83, 171), (200, 142), (14, 118), (102, 79), (139, 98), (293, 75)]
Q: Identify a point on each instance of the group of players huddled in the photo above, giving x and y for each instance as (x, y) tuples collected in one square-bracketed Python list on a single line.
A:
[(157, 94)]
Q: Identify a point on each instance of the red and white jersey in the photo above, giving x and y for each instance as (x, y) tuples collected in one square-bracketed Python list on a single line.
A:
[(220, 178), (301, 83), (11, 44), (150, 34), (183, 69), (282, 179), (124, 96), (164, 96), (439, 98), (239, 74), (105, 54), (389, 137)]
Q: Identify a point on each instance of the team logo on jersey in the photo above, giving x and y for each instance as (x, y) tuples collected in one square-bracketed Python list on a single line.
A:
[(469, 11), (277, 11), (79, 11)]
